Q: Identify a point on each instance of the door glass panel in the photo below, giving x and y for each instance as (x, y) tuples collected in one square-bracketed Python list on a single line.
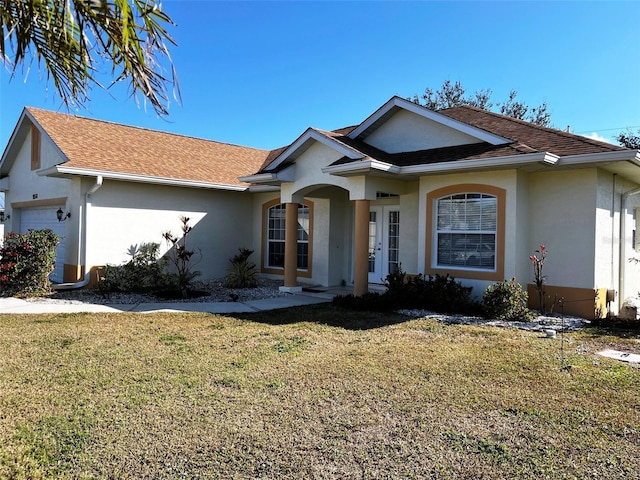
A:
[(394, 241), (373, 229)]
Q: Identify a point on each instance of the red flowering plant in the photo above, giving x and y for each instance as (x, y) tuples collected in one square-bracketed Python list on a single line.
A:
[(26, 260), (538, 263)]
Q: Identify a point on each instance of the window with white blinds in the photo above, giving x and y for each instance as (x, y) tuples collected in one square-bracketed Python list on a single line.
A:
[(466, 226)]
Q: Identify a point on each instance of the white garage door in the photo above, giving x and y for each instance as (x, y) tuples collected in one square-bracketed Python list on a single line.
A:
[(40, 218)]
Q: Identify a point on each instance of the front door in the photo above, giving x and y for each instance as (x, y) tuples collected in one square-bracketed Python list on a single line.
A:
[(384, 241)]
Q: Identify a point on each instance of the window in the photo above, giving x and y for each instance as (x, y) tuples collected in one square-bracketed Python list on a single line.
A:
[(275, 236), (466, 230)]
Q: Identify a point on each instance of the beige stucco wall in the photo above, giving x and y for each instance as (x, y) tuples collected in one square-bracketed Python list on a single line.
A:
[(25, 185), (609, 189), (409, 228), (49, 153), (308, 173), (122, 215), (562, 217), (522, 236), (408, 132), (335, 232)]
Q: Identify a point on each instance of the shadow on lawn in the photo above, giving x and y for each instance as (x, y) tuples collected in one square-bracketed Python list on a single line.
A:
[(621, 331), (325, 314)]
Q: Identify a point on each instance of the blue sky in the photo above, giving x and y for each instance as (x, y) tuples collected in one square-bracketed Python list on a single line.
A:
[(260, 73)]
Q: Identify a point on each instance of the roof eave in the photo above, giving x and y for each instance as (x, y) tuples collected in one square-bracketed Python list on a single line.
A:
[(513, 161), (269, 178), (361, 167), (62, 171), (614, 156)]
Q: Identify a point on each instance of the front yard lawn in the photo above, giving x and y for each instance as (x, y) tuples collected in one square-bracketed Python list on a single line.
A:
[(313, 392)]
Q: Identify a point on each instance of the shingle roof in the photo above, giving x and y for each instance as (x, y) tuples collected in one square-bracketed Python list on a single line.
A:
[(104, 146), (539, 138), (526, 138)]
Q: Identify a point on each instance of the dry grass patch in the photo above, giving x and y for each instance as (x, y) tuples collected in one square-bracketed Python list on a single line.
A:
[(309, 393)]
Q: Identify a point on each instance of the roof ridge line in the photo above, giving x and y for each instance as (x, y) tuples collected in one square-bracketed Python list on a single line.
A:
[(153, 130)]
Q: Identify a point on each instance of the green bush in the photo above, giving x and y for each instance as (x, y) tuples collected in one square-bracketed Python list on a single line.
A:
[(370, 301), (143, 273), (243, 273), (439, 293), (506, 300), (26, 260)]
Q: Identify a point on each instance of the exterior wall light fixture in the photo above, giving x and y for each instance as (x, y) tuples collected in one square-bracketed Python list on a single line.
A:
[(3, 217), (62, 216)]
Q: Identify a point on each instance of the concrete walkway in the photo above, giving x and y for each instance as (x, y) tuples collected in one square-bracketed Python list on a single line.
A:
[(17, 305)]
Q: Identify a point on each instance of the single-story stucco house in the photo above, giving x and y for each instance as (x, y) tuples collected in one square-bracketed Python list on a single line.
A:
[(459, 191)]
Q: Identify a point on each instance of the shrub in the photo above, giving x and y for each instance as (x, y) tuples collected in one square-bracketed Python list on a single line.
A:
[(144, 272), (370, 301), (442, 293), (26, 260), (506, 300), (181, 257), (439, 293), (243, 273)]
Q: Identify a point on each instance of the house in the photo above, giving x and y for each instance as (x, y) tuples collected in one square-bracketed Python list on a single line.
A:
[(460, 191)]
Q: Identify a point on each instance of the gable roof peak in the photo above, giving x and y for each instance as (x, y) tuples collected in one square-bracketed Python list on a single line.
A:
[(396, 103)]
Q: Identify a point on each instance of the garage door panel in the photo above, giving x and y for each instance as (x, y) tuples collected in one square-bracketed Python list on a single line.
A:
[(39, 219)]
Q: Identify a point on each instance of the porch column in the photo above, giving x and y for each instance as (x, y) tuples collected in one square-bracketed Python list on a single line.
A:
[(291, 249), (361, 250)]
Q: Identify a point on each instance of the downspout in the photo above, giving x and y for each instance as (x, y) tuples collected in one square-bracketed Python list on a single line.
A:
[(83, 246), (622, 260)]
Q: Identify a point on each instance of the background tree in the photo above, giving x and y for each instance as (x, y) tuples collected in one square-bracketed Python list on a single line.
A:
[(70, 38), (453, 95), (629, 139)]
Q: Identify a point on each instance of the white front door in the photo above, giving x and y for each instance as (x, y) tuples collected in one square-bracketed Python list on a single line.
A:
[(384, 241)]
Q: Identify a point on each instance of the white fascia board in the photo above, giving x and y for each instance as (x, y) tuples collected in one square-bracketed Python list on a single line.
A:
[(311, 134), (263, 188), (131, 177), (12, 138), (360, 167), (431, 115), (284, 176), (480, 163), (259, 178), (616, 156)]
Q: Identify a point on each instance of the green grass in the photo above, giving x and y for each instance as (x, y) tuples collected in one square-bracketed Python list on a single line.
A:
[(311, 392)]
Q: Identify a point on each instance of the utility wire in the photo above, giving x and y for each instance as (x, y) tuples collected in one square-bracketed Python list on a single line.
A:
[(608, 129)]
